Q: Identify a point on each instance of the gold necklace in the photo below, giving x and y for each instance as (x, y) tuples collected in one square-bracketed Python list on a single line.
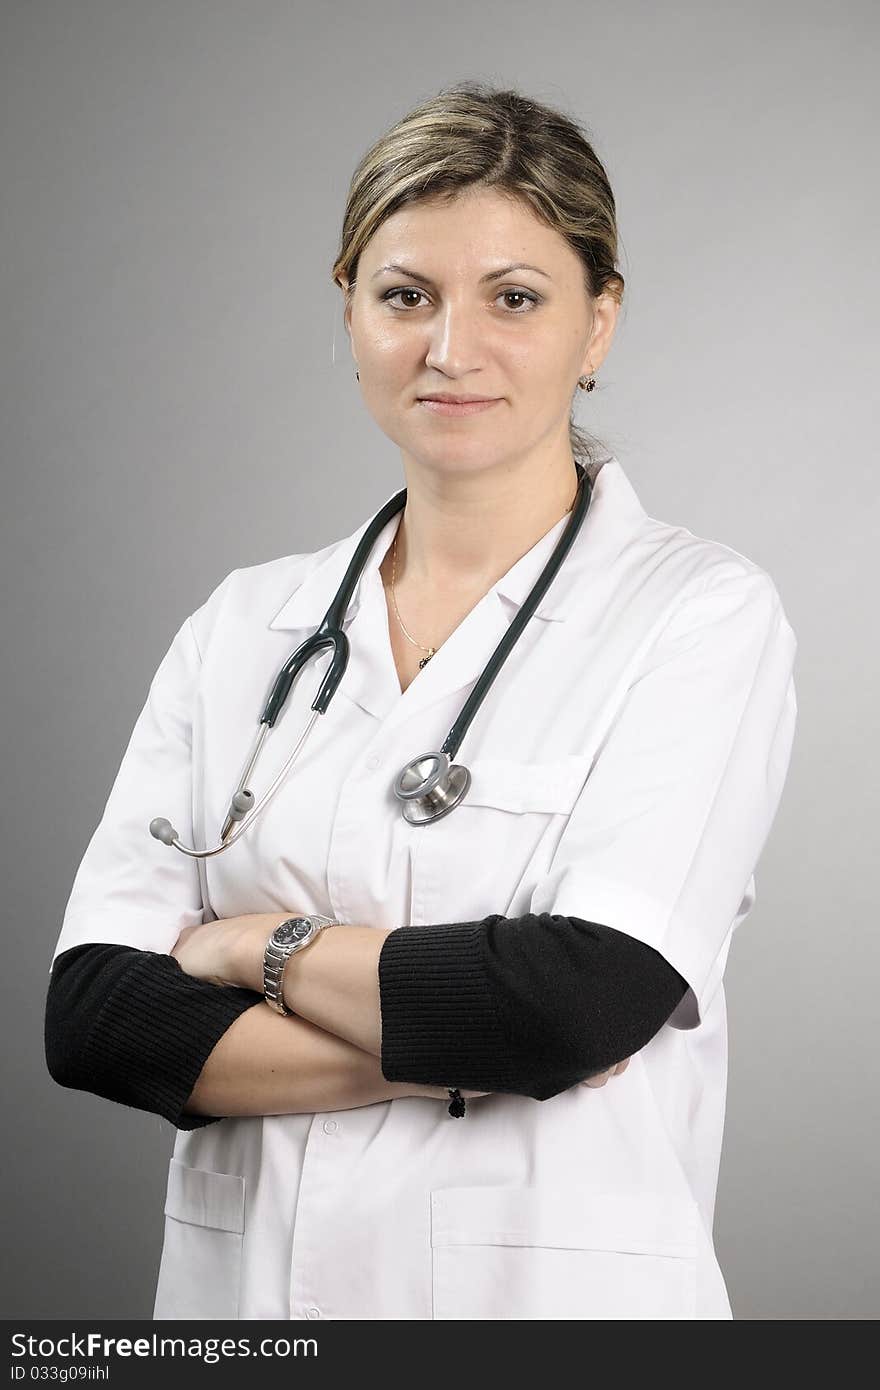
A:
[(430, 650)]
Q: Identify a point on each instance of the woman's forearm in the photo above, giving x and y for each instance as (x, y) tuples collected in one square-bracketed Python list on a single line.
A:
[(530, 1005), (333, 982), (268, 1064)]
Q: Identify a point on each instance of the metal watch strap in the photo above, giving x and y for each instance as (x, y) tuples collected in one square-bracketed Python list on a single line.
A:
[(276, 957)]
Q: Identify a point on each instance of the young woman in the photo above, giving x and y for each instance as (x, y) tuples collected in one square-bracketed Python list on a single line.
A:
[(380, 1107)]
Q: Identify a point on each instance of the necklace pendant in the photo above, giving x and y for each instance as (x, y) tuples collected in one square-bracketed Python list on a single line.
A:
[(425, 659)]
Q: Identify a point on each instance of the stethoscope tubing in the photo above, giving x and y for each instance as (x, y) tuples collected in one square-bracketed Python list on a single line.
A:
[(426, 795), (227, 839), (509, 640)]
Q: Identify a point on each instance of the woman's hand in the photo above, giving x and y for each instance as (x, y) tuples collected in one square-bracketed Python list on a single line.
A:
[(199, 951), (593, 1080), (442, 1093), (212, 951), (603, 1076)]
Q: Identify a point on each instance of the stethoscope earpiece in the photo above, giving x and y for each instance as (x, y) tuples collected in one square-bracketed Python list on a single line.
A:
[(241, 804), (162, 829), (430, 787)]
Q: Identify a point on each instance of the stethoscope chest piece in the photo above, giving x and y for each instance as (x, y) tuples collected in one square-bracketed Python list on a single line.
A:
[(430, 787)]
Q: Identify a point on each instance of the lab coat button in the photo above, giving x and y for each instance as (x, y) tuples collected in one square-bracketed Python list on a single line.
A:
[(330, 1126), (313, 1313)]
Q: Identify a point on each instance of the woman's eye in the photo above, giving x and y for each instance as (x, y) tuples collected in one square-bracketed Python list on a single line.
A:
[(419, 294)]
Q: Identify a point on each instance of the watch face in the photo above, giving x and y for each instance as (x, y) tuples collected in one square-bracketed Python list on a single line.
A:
[(291, 931)]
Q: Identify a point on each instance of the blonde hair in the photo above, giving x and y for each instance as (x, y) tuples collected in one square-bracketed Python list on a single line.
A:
[(476, 135)]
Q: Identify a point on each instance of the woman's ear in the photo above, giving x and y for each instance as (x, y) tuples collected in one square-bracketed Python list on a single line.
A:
[(346, 313), (605, 312)]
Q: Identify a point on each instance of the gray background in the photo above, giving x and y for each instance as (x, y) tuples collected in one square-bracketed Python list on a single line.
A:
[(173, 181)]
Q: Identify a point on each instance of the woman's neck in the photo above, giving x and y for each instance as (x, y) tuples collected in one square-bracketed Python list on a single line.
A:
[(464, 534)]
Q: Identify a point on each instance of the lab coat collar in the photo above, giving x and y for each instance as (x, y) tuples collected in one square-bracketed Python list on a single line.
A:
[(614, 509), (371, 679)]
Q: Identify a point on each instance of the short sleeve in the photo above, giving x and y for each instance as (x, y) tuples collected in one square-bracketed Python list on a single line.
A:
[(667, 832), (131, 889)]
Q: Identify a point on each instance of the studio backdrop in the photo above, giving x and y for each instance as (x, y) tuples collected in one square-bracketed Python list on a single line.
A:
[(179, 400)]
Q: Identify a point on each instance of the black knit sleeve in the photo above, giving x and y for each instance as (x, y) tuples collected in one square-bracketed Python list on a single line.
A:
[(494, 1005), (134, 1027), (530, 1005)]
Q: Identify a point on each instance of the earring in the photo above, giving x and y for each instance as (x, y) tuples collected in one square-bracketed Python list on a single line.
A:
[(358, 375), (587, 383)]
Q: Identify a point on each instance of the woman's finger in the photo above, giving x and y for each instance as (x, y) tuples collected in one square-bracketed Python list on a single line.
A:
[(597, 1080), (604, 1076)]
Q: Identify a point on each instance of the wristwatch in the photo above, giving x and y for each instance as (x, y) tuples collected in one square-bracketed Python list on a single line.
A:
[(290, 936)]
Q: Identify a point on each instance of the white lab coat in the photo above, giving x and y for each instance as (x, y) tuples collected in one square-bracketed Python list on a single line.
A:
[(627, 765)]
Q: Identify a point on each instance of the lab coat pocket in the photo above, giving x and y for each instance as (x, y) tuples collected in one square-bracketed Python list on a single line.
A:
[(488, 853), (525, 1253), (200, 1272)]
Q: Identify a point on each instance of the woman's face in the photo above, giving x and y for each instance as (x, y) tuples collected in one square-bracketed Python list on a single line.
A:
[(521, 338)]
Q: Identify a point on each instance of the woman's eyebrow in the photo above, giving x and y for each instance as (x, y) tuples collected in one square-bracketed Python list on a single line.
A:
[(492, 274)]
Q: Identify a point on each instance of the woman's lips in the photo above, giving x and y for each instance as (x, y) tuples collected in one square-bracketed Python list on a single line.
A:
[(453, 408)]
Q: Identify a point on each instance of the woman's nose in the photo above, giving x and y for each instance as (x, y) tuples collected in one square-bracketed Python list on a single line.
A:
[(456, 340)]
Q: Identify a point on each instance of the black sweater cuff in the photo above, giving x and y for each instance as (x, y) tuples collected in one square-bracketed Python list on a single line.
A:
[(134, 1027), (531, 1005), (440, 1023)]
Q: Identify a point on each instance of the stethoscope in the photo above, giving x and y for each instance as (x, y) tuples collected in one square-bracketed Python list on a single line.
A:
[(431, 785)]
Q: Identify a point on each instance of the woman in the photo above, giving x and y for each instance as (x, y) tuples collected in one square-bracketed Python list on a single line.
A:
[(574, 910)]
